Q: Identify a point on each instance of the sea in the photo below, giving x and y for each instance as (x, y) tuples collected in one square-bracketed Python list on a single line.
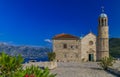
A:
[(26, 60)]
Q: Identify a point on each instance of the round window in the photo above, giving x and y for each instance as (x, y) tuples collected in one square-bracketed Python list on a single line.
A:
[(91, 43)]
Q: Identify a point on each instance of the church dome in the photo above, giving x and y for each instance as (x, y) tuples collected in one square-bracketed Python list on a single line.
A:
[(102, 15)]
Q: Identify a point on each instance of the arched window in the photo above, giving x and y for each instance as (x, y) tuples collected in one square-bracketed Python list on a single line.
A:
[(106, 22), (99, 22), (102, 22), (90, 42)]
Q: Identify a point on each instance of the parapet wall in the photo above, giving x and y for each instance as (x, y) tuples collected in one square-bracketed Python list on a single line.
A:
[(50, 65)]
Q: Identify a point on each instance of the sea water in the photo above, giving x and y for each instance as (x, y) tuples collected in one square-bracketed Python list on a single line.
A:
[(26, 60)]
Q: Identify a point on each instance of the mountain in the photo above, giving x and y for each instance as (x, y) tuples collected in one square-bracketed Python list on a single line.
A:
[(25, 51), (114, 47)]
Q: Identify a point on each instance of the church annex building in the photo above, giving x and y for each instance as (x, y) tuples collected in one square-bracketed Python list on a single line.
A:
[(89, 48)]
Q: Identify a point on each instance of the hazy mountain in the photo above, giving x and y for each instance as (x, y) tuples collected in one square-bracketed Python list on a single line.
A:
[(25, 51)]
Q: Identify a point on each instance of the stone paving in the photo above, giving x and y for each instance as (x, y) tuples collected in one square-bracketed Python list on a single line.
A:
[(77, 69)]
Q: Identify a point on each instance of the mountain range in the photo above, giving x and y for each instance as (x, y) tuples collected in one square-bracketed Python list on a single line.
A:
[(25, 51)]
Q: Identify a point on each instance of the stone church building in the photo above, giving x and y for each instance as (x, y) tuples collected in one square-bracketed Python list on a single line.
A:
[(89, 48)]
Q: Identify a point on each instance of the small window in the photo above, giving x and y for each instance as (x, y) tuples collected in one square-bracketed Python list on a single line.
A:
[(65, 55), (72, 47), (76, 47), (64, 46), (77, 56)]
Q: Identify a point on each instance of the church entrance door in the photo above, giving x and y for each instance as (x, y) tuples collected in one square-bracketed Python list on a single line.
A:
[(91, 57)]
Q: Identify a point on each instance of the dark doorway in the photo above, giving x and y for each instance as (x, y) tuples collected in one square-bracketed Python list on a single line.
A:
[(91, 57)]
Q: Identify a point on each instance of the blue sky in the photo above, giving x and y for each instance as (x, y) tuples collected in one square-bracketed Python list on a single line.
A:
[(33, 22)]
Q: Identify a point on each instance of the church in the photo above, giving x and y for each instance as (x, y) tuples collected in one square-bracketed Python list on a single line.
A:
[(89, 48)]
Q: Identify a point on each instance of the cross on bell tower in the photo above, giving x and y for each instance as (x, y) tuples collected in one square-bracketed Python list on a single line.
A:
[(102, 9)]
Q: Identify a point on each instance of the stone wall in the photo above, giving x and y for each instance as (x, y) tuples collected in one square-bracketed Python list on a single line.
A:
[(50, 65), (71, 53)]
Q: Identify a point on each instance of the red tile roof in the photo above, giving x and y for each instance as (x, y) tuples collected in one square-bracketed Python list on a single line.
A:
[(62, 36)]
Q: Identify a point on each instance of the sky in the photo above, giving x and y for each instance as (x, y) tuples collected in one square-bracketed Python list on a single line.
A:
[(35, 22)]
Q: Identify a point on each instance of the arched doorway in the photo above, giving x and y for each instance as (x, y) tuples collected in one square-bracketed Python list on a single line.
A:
[(91, 57)]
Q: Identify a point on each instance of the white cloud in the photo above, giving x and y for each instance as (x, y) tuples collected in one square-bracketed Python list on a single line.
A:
[(6, 43), (48, 40)]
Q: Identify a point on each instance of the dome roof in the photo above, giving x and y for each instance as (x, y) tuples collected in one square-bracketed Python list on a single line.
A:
[(103, 15), (64, 36)]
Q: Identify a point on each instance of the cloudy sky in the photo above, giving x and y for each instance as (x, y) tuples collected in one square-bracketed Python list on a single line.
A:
[(35, 22)]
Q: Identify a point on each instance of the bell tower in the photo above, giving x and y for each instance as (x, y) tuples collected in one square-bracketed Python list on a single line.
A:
[(103, 36)]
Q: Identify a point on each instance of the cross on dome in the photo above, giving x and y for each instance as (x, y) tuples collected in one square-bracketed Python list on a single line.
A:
[(102, 15), (102, 9)]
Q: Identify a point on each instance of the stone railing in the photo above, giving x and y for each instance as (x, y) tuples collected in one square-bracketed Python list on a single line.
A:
[(115, 69), (50, 65)]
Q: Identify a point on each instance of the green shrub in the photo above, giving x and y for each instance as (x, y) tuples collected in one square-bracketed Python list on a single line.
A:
[(51, 56), (106, 62), (34, 72), (12, 67), (9, 64)]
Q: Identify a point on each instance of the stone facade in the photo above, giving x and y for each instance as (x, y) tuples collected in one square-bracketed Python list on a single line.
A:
[(70, 53), (89, 48), (74, 49)]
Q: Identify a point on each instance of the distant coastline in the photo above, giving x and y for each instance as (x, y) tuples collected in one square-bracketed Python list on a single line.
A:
[(26, 60)]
